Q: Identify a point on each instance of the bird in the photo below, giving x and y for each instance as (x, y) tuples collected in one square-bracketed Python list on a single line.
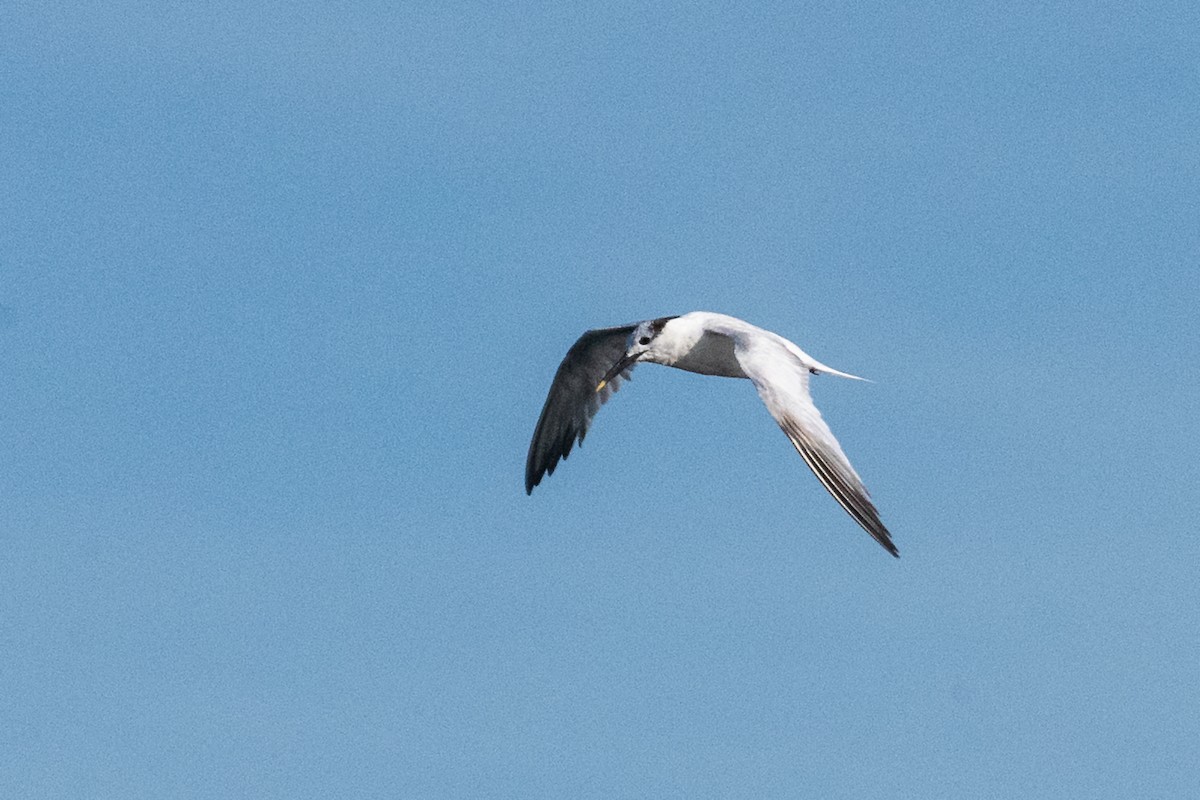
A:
[(709, 344)]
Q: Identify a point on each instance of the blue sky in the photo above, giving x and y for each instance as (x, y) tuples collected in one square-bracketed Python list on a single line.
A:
[(284, 286)]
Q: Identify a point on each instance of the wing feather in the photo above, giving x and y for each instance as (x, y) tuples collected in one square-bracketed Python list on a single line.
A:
[(782, 382), (573, 400)]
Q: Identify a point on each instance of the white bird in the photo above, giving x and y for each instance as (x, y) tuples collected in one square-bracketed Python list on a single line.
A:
[(710, 344)]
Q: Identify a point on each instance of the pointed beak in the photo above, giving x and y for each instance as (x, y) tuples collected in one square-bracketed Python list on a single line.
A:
[(626, 361)]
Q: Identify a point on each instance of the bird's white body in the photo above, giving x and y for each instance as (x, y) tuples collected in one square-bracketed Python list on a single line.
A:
[(709, 344), (699, 342)]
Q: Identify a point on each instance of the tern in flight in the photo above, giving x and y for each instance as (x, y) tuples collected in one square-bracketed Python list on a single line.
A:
[(710, 344)]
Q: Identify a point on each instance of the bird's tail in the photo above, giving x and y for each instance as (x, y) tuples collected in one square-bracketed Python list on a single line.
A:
[(821, 369), (816, 367)]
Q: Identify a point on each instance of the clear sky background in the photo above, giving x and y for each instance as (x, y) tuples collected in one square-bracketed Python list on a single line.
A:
[(284, 286)]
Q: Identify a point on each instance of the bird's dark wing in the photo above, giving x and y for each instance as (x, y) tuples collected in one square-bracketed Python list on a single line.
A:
[(573, 399)]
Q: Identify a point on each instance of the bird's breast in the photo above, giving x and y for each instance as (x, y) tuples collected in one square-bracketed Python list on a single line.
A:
[(712, 354)]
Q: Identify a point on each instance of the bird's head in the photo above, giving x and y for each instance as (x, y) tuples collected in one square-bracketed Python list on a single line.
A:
[(641, 347)]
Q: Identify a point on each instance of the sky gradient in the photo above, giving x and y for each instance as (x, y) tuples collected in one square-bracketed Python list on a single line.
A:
[(284, 287)]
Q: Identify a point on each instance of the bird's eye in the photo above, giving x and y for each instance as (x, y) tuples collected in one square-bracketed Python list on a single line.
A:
[(644, 340)]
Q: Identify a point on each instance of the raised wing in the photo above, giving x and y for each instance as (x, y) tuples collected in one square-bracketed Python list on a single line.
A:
[(573, 399), (782, 383)]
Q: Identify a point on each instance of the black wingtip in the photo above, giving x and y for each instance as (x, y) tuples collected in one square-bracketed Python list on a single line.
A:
[(884, 538)]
